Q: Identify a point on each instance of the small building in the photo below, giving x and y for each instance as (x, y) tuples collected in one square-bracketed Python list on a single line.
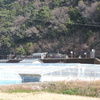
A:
[(31, 61), (40, 55)]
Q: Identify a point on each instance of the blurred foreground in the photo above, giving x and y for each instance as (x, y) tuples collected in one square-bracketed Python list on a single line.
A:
[(41, 96)]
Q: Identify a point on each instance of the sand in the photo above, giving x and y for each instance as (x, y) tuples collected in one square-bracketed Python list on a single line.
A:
[(42, 96)]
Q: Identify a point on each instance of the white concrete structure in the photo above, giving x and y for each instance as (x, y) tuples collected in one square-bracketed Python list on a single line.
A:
[(92, 53), (40, 55)]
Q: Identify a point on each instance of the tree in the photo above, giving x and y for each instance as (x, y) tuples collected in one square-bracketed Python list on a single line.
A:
[(5, 41), (28, 48), (57, 3), (74, 14), (16, 6), (89, 33), (44, 14), (20, 50)]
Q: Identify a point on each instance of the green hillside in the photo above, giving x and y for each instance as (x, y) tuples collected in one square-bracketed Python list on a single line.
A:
[(28, 26)]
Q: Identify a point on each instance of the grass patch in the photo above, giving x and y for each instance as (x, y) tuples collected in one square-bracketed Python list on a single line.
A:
[(19, 91), (71, 91), (91, 89)]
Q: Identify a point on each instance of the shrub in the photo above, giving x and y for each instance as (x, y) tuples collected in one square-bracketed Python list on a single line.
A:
[(76, 88)]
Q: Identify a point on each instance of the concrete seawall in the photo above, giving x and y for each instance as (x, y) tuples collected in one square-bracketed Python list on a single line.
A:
[(73, 60), (58, 60)]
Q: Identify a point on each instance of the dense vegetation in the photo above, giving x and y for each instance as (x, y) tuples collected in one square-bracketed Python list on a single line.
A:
[(83, 88), (28, 26)]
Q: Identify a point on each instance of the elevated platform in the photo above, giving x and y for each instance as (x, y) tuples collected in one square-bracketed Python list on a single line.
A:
[(57, 60), (13, 61), (73, 60)]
